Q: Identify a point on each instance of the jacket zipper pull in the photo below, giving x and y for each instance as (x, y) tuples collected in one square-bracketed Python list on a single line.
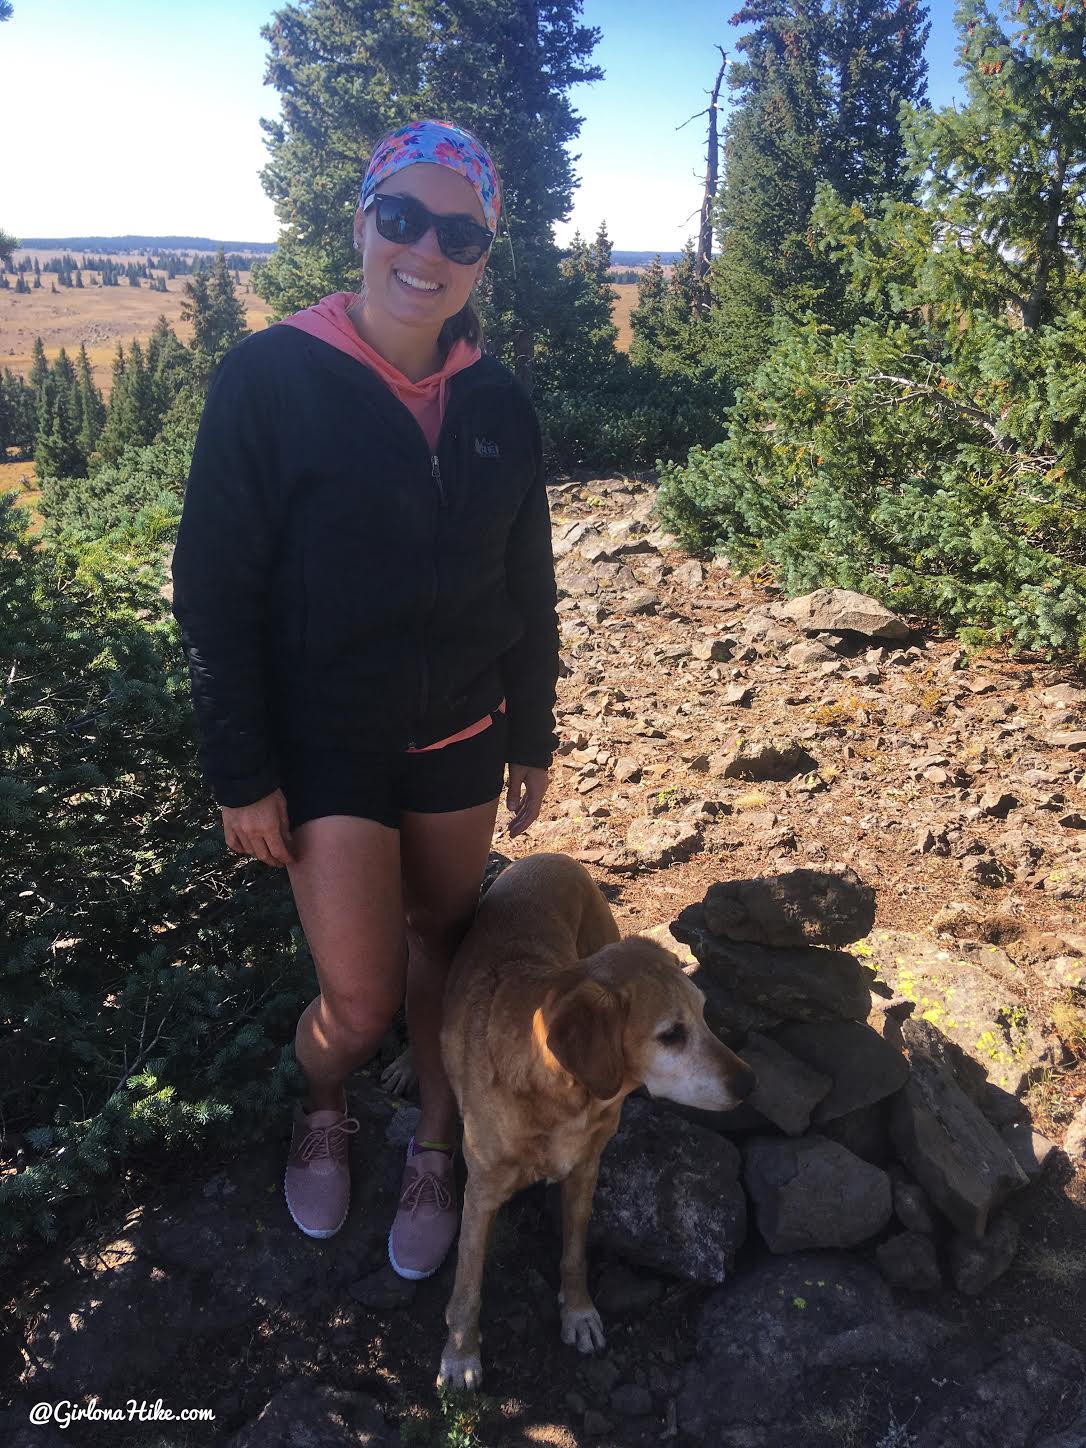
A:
[(435, 470)]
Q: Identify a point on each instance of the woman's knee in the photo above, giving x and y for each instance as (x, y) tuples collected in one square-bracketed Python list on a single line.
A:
[(358, 1020)]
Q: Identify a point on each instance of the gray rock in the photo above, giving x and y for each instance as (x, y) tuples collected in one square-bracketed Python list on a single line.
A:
[(911, 1205), (760, 761), (813, 1329), (974, 995), (620, 1291), (865, 1132), (908, 1260), (840, 610), (1073, 1436), (813, 1193), (639, 600), (807, 985), (1007, 1393), (1031, 1150), (631, 1400), (951, 1148), (717, 650), (668, 1195), (658, 841), (810, 651), (975, 1265), (1074, 1140), (787, 1089), (768, 1345), (864, 1067), (306, 1415), (802, 907)]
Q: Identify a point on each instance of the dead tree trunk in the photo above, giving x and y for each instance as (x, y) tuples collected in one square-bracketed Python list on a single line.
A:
[(705, 234)]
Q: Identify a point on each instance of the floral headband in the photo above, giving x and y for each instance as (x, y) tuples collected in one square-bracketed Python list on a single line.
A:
[(440, 144)]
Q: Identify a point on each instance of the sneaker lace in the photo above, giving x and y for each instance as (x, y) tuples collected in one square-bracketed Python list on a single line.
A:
[(426, 1185), (322, 1142)]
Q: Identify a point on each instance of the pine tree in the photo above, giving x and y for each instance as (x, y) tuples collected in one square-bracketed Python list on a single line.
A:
[(819, 87), (8, 244), (347, 74), (169, 364), (216, 314), (91, 409), (39, 368), (20, 284), (21, 409), (57, 452), (581, 344), (1015, 233), (932, 452)]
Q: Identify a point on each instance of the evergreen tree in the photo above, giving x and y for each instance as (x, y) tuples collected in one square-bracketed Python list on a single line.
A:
[(819, 91), (669, 329), (932, 452), (91, 410), (132, 418), (581, 344), (39, 369), (216, 314), (1008, 169), (875, 52), (346, 73), (20, 284), (20, 405), (8, 243), (57, 452), (169, 364)]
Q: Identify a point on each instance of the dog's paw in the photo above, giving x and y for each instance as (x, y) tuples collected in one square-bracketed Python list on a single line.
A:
[(400, 1076), (460, 1370), (582, 1328)]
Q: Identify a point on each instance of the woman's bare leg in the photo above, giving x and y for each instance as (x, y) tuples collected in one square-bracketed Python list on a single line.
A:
[(346, 883), (444, 856)]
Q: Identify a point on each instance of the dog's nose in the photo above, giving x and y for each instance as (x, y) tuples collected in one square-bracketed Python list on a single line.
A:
[(743, 1082)]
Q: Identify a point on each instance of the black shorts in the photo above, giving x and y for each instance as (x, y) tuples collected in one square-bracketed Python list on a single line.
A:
[(380, 786)]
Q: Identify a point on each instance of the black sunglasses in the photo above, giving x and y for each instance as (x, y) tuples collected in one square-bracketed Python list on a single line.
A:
[(404, 220)]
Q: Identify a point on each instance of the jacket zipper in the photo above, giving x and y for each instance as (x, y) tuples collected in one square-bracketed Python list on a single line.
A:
[(424, 677)]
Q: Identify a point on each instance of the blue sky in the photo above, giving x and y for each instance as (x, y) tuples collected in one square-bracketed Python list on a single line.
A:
[(128, 116)]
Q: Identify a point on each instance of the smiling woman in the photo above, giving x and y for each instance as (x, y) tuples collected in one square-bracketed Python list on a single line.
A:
[(364, 582)]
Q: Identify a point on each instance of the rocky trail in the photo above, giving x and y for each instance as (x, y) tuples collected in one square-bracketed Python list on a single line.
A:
[(710, 732)]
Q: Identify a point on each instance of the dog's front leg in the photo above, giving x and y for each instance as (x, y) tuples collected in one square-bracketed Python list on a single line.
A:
[(460, 1363), (581, 1323)]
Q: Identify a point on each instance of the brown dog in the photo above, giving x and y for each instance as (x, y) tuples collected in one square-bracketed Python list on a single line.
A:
[(551, 1020)]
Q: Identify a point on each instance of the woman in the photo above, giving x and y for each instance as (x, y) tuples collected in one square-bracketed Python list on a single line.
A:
[(365, 587)]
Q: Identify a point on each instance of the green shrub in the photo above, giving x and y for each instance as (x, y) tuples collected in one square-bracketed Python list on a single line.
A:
[(148, 981), (881, 461), (630, 418)]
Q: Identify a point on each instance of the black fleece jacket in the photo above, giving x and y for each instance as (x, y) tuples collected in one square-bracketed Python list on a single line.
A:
[(341, 589)]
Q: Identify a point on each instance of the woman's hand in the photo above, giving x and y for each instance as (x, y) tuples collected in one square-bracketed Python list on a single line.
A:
[(261, 829), (527, 786)]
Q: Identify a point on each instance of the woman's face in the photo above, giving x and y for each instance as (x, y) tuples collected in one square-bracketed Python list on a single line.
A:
[(400, 280)]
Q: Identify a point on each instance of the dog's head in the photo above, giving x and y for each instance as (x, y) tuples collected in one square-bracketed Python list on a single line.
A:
[(629, 1017)]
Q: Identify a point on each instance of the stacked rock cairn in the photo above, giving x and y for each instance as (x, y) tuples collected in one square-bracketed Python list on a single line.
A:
[(864, 1126)]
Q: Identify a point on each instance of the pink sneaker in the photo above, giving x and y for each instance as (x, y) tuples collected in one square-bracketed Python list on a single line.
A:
[(426, 1221), (318, 1180)]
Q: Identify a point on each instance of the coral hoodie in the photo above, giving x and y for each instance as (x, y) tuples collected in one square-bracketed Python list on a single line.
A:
[(425, 399)]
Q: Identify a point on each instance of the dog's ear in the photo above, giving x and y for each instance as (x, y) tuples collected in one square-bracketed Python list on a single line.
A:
[(584, 1033)]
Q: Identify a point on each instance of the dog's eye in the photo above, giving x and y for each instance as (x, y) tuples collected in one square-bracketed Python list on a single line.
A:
[(674, 1035)]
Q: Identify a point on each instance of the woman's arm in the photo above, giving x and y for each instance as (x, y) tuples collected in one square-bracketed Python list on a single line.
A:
[(221, 579)]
